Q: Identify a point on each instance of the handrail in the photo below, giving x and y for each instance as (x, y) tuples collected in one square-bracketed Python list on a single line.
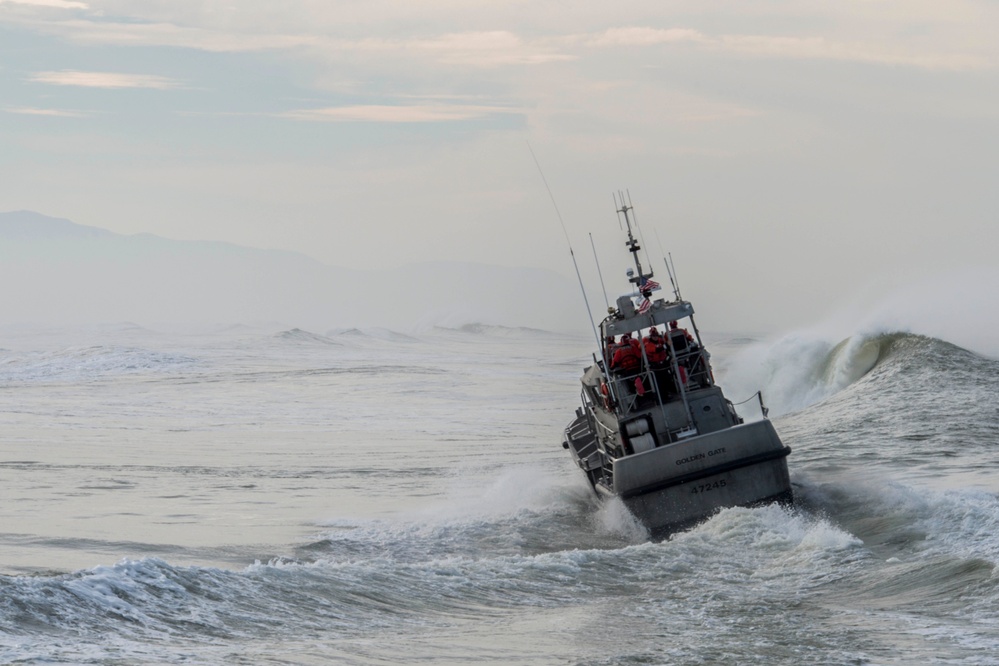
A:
[(759, 394), (608, 430)]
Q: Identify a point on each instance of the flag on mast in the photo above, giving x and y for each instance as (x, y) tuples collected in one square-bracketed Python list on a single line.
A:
[(648, 285)]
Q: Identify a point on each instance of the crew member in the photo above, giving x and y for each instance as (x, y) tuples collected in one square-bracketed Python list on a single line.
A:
[(609, 347), (679, 337), (689, 356), (655, 349), (628, 356)]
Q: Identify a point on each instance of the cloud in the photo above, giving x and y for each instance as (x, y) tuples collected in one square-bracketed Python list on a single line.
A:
[(29, 111), (475, 49), (59, 4), (884, 34), (820, 48), (417, 113), (639, 36), (793, 48), (492, 48), (68, 77), (170, 34)]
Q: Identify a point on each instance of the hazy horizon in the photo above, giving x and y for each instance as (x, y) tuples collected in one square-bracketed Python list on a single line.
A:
[(61, 273), (87, 278)]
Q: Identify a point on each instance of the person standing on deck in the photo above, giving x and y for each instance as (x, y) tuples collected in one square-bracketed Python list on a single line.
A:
[(628, 357), (655, 349)]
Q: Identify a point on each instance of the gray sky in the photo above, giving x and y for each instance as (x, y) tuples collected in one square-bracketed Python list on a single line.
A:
[(794, 157)]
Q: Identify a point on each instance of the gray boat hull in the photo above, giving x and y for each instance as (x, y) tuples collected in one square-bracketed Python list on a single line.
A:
[(675, 486)]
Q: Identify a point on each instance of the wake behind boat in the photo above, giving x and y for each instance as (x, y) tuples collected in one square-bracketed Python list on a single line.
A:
[(655, 430)]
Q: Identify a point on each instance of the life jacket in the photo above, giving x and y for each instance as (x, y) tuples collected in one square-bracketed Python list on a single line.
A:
[(655, 350), (627, 357)]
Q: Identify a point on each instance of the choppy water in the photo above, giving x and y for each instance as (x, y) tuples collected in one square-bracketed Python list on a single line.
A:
[(369, 497)]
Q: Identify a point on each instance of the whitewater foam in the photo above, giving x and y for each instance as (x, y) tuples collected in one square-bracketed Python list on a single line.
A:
[(88, 363), (954, 307)]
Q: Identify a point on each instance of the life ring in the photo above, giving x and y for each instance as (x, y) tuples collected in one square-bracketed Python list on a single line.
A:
[(605, 393)]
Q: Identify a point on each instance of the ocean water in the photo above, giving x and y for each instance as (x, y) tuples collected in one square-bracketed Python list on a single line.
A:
[(256, 496)]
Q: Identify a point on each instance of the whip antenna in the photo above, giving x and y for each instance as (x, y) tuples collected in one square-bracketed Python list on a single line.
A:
[(572, 254), (673, 270), (557, 212), (669, 271), (597, 262)]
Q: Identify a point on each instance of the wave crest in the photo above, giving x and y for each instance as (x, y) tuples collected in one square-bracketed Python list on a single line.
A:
[(300, 336), (797, 370)]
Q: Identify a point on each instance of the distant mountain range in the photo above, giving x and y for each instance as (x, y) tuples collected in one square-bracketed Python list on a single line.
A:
[(54, 271)]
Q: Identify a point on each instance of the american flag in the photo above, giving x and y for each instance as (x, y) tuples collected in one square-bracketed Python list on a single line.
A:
[(649, 285), (644, 305)]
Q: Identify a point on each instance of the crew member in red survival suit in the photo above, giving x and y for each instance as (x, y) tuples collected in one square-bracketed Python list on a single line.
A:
[(657, 352), (628, 356), (655, 349)]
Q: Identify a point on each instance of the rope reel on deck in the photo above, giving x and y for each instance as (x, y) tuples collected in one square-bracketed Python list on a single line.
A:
[(639, 436)]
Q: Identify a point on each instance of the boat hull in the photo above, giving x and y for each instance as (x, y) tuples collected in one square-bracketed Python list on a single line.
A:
[(675, 486)]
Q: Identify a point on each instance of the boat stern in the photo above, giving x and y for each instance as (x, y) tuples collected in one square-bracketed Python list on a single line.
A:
[(674, 486)]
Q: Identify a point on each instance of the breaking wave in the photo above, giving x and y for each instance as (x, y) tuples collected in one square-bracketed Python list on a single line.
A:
[(299, 336), (381, 334), (797, 371)]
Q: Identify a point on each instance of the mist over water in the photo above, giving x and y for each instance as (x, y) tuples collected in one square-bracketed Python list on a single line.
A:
[(370, 496)]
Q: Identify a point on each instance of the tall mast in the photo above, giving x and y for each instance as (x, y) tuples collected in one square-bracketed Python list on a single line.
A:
[(633, 246)]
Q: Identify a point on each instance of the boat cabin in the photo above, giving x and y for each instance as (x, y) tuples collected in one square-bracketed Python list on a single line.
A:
[(653, 388)]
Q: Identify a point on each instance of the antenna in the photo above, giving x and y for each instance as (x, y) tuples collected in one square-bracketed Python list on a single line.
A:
[(673, 271), (676, 292), (582, 289), (640, 277), (641, 234), (597, 262)]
